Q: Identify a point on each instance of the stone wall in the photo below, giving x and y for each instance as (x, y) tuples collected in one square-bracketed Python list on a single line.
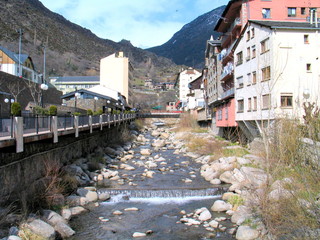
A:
[(19, 172)]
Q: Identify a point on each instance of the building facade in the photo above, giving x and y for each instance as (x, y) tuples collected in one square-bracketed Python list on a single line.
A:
[(184, 79), (72, 83), (283, 73)]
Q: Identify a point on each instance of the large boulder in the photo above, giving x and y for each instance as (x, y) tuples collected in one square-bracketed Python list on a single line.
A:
[(59, 223), (39, 229), (205, 215), (159, 143), (221, 206), (247, 233), (145, 151), (91, 196), (241, 214), (255, 177)]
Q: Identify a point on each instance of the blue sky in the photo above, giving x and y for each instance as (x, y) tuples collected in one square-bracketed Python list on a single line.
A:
[(146, 23)]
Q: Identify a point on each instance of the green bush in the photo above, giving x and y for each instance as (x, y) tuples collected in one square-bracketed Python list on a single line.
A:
[(99, 112), (16, 109), (76, 114), (40, 111), (53, 110), (89, 112)]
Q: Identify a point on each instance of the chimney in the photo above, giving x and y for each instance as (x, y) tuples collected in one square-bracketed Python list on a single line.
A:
[(120, 54)]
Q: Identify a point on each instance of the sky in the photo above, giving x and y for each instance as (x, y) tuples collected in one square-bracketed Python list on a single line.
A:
[(146, 23)]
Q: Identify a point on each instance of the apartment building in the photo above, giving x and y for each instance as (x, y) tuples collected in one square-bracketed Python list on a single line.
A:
[(231, 25), (279, 72)]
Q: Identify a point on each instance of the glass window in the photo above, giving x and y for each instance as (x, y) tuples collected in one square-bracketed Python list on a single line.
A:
[(254, 107), (308, 67), (240, 82), (306, 39), (248, 35), (303, 11), (266, 73), (286, 100), (254, 77), (266, 101), (249, 80), (249, 104), (292, 12), (264, 45), (252, 33), (253, 51), (248, 54), (266, 13), (239, 58), (240, 105)]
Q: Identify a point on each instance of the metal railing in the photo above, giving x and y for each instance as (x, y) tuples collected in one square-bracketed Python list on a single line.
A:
[(40, 124)]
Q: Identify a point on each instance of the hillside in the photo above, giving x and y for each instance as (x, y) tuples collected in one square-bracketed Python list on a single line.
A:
[(188, 45), (70, 49)]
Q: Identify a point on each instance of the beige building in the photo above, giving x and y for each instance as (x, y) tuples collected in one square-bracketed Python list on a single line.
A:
[(115, 73)]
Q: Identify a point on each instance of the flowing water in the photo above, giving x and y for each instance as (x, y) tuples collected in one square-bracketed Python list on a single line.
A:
[(159, 201)]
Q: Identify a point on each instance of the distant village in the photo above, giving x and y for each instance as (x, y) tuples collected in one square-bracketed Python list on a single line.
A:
[(264, 66)]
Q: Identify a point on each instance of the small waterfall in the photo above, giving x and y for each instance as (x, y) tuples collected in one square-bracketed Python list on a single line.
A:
[(166, 193)]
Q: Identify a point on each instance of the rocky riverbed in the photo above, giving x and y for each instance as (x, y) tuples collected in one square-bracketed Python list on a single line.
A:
[(154, 188)]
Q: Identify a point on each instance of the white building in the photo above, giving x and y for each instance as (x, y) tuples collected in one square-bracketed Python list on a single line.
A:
[(185, 77), (115, 73), (277, 67)]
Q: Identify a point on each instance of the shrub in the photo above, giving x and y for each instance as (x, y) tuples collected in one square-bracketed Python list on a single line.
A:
[(53, 110), (16, 109), (40, 111), (89, 112), (76, 114), (99, 112)]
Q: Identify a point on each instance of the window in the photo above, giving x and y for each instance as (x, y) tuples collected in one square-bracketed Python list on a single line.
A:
[(264, 45), (286, 100), (306, 39), (254, 107), (266, 13), (292, 12), (253, 51), (239, 58), (1, 60), (249, 80), (252, 33), (308, 67), (249, 104), (240, 82), (254, 77), (248, 54), (219, 114), (248, 35), (303, 11), (266, 101), (227, 113), (266, 73), (240, 105)]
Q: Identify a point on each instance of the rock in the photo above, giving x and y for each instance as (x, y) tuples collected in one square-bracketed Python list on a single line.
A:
[(149, 174), (205, 215), (159, 143), (155, 133), (91, 196), (243, 161), (165, 135), (227, 177), (14, 231), (74, 201), (139, 234), (277, 194), (40, 228), (246, 233), (241, 214), (255, 177), (52, 217), (117, 212), (214, 224), (64, 230), (77, 210), (103, 196), (127, 167), (215, 181), (150, 164), (131, 209), (221, 206), (14, 237), (187, 180), (66, 213), (226, 196), (145, 151)]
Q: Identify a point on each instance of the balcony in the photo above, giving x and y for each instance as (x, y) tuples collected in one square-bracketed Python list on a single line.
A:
[(231, 33), (228, 93)]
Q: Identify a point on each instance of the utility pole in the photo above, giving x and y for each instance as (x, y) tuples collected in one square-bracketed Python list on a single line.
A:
[(20, 31)]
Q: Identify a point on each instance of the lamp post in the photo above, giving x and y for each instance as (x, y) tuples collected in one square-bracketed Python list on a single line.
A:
[(10, 101), (44, 87), (76, 95), (95, 102)]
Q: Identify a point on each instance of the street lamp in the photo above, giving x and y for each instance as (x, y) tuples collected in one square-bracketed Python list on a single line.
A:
[(95, 101), (10, 101), (76, 95), (44, 87)]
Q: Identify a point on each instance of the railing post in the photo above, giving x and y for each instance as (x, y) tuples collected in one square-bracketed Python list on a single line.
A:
[(76, 126), (90, 123), (18, 133), (37, 123), (101, 121), (109, 120), (115, 119), (54, 128)]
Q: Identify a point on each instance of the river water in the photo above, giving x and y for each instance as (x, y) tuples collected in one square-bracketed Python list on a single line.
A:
[(159, 201)]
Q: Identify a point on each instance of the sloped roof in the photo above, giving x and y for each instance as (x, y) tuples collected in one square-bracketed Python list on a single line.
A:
[(78, 79), (14, 56), (286, 25)]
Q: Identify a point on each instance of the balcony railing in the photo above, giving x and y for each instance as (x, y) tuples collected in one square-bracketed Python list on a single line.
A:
[(228, 93)]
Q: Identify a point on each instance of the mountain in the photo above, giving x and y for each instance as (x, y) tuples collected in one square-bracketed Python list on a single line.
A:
[(70, 49), (188, 45)]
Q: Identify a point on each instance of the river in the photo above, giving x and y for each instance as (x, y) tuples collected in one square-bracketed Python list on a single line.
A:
[(152, 205)]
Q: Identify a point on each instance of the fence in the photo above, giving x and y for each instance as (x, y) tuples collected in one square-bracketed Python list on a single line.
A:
[(19, 127)]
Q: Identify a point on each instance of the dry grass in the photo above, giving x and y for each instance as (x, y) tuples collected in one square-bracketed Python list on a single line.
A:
[(295, 216), (187, 123)]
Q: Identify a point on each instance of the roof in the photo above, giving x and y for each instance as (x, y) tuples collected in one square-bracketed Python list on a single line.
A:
[(79, 79), (286, 25), (14, 56)]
